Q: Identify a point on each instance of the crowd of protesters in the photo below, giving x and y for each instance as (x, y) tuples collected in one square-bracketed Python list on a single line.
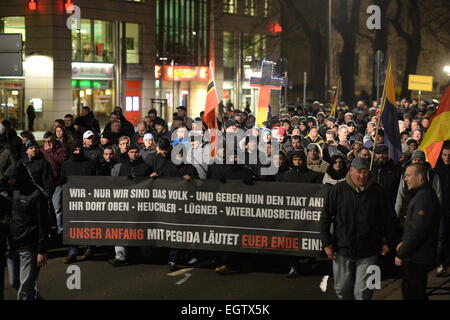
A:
[(370, 206)]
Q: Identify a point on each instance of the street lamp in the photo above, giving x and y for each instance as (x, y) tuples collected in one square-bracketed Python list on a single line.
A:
[(447, 70)]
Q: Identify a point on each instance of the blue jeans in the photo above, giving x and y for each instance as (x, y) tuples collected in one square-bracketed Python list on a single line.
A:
[(350, 277), (29, 273), (57, 206)]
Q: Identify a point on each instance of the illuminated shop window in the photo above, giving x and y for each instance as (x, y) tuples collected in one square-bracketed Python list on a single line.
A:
[(13, 25), (94, 42)]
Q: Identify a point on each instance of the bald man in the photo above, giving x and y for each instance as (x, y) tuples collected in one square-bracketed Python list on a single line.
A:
[(416, 254)]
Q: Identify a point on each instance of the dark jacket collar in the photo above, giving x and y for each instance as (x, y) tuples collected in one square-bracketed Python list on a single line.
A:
[(424, 186), (350, 183)]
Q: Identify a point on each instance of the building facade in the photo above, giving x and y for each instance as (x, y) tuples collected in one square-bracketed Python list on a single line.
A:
[(79, 53), (137, 54)]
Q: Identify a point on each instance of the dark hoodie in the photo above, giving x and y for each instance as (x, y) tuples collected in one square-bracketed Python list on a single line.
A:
[(337, 175), (77, 164), (301, 174), (91, 123), (134, 169), (388, 176)]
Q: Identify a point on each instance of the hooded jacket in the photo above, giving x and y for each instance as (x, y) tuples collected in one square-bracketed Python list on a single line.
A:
[(91, 123), (164, 167), (30, 224), (55, 157), (93, 153), (388, 176), (301, 174), (41, 172), (104, 168), (132, 169), (363, 220), (77, 164)]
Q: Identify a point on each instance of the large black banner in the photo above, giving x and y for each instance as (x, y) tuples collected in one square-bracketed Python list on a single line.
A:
[(269, 218)]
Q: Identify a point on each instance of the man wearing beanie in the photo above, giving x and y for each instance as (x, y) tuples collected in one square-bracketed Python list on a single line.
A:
[(403, 196), (39, 168), (149, 146), (32, 182), (364, 226)]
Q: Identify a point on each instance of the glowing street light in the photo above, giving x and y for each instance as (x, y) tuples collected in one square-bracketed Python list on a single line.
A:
[(447, 70)]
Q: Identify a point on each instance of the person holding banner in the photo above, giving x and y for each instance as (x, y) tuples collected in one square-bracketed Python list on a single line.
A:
[(134, 168), (77, 165), (364, 225)]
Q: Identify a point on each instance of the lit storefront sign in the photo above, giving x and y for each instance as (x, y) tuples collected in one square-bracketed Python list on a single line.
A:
[(181, 73), (92, 71)]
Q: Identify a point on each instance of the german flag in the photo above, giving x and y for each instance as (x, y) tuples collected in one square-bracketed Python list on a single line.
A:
[(439, 130), (389, 117), (212, 102)]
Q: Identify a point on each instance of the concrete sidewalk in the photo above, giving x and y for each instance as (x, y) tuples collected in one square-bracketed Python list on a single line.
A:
[(438, 289)]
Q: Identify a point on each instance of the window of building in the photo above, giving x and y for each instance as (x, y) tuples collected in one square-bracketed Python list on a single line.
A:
[(250, 8), (133, 43), (230, 6), (228, 50), (254, 47), (94, 42), (267, 8), (13, 25), (182, 31), (103, 41)]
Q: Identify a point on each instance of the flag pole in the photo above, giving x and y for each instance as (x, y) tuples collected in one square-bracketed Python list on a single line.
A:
[(381, 113), (337, 97)]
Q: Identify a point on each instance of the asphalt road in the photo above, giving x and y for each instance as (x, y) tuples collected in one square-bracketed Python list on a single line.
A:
[(150, 279)]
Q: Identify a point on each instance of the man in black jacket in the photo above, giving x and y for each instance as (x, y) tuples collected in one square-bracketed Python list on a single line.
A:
[(76, 165), (134, 167), (5, 214), (364, 225), (299, 171), (31, 116), (443, 172), (39, 168), (162, 165), (386, 172), (31, 181), (89, 120), (417, 251), (107, 163), (91, 149)]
